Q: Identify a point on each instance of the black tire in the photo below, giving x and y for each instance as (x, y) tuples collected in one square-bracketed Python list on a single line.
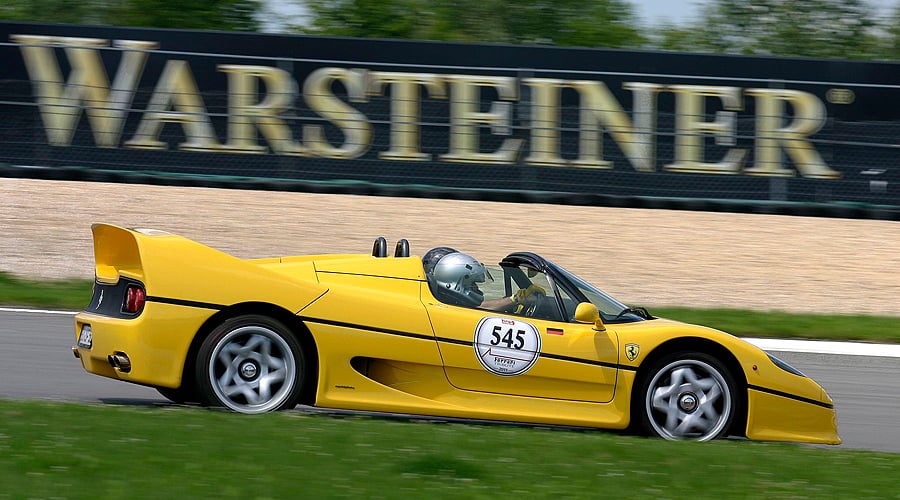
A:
[(687, 396), (250, 364), (181, 395)]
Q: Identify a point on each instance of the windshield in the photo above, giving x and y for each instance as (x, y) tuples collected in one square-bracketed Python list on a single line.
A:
[(607, 305)]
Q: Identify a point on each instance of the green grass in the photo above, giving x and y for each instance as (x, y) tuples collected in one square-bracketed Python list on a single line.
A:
[(790, 325), (94, 451), (75, 294), (66, 294)]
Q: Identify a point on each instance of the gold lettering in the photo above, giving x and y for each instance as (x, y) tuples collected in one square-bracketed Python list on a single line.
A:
[(545, 126), (465, 120), (405, 110), (87, 88), (176, 100), (690, 127), (320, 98), (600, 109), (245, 113), (638, 141), (809, 117), (642, 147)]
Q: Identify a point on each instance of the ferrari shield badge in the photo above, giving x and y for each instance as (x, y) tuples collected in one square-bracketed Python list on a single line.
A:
[(505, 346), (632, 351)]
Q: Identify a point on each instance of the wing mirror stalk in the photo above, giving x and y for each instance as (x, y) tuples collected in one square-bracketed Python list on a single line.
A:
[(586, 312)]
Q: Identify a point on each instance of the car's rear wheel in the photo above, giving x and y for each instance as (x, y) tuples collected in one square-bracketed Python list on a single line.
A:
[(250, 364), (688, 395)]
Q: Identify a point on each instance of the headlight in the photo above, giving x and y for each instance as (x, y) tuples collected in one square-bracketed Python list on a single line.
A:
[(784, 366)]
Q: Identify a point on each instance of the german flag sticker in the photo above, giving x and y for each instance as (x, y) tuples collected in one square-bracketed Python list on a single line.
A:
[(554, 331)]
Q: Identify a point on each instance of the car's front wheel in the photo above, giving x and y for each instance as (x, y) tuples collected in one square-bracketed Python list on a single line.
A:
[(688, 395), (250, 364)]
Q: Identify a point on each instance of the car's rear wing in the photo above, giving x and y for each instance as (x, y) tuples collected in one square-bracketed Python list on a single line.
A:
[(116, 253), (178, 268)]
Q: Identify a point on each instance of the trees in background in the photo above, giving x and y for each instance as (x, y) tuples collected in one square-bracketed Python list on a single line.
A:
[(236, 15), (607, 23), (845, 29), (892, 39), (810, 28), (52, 11)]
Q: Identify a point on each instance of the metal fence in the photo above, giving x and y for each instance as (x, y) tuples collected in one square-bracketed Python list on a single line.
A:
[(428, 119)]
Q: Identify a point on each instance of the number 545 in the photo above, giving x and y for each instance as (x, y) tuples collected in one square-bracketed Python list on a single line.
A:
[(498, 337)]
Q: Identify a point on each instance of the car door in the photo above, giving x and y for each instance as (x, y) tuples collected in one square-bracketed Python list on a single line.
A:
[(509, 353)]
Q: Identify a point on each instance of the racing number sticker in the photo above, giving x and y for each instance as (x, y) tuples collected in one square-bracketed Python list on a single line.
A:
[(506, 346)]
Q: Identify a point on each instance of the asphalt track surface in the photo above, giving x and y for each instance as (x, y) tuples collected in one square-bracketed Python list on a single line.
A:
[(37, 363)]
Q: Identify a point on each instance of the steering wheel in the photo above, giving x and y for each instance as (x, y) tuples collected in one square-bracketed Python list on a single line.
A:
[(532, 304)]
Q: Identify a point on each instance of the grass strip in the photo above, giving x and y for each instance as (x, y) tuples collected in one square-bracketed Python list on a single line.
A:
[(71, 294), (100, 451), (75, 294), (775, 324)]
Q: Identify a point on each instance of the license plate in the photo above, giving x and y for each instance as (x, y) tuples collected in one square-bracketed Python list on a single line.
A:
[(86, 338)]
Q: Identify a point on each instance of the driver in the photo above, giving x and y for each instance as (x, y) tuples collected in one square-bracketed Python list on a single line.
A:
[(454, 276)]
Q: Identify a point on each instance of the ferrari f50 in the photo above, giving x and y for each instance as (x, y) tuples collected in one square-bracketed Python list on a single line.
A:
[(439, 334)]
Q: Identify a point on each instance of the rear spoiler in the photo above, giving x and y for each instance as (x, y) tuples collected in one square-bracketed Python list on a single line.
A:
[(176, 267), (116, 252)]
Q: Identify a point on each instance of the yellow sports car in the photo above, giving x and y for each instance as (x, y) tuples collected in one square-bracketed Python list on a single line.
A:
[(441, 334)]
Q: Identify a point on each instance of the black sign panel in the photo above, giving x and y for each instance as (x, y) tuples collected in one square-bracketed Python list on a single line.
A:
[(443, 118)]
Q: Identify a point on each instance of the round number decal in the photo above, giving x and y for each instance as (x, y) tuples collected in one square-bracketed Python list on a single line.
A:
[(506, 346)]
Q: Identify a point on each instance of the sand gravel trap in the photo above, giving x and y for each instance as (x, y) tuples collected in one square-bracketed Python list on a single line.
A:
[(653, 257)]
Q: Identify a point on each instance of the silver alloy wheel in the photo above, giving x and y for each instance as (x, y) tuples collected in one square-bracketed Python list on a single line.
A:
[(688, 399), (252, 369)]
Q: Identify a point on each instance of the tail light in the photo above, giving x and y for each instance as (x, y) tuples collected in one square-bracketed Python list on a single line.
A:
[(135, 296)]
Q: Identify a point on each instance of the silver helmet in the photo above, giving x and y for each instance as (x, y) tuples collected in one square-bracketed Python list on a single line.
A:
[(457, 275)]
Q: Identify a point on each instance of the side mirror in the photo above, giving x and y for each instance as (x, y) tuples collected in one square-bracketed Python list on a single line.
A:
[(586, 312)]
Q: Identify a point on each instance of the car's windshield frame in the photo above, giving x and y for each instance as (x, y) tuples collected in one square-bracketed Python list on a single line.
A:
[(577, 288), (609, 307)]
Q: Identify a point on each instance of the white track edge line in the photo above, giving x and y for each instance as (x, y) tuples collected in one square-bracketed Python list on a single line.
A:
[(827, 347), (37, 311), (780, 345)]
